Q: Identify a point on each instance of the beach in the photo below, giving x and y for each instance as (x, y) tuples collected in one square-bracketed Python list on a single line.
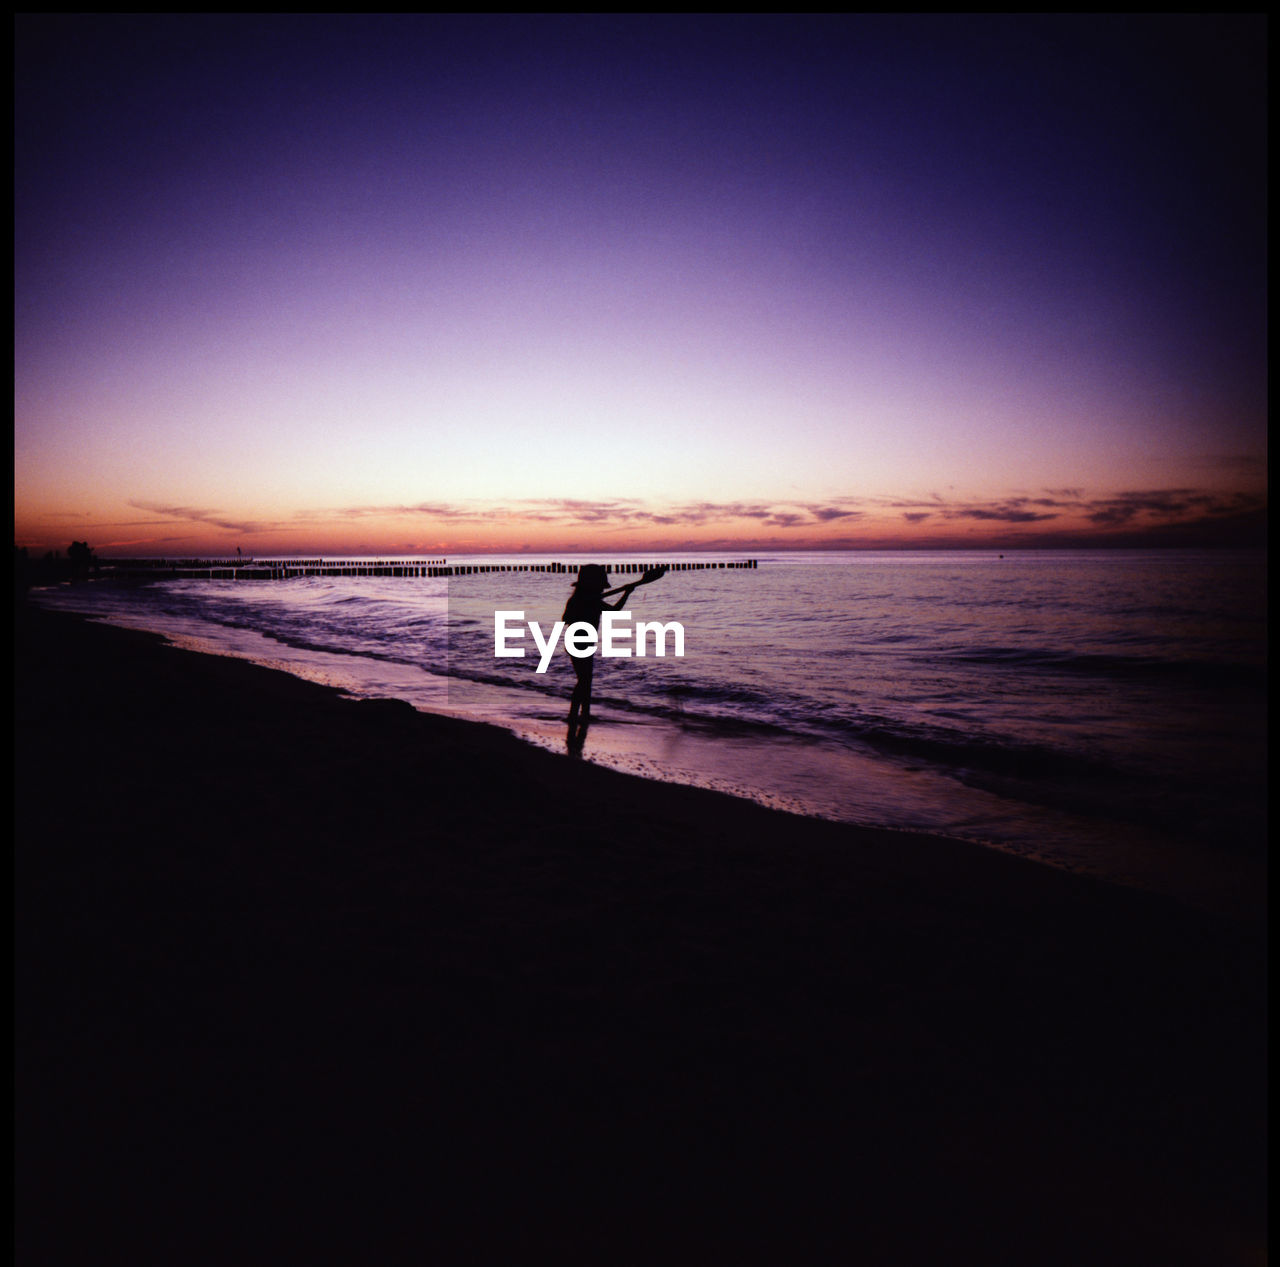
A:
[(312, 979)]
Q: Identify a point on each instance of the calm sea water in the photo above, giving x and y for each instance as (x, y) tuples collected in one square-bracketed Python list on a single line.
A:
[(1102, 711)]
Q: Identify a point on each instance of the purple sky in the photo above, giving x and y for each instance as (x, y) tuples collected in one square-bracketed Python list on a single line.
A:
[(422, 283)]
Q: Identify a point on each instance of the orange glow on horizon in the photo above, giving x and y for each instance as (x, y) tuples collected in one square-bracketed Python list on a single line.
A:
[(628, 528)]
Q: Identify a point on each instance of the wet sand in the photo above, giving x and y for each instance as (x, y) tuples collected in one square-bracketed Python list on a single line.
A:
[(303, 979)]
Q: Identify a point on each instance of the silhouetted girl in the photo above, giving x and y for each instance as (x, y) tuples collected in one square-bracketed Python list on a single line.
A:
[(586, 603)]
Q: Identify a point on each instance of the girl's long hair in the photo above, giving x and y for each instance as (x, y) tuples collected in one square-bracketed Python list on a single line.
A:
[(584, 602)]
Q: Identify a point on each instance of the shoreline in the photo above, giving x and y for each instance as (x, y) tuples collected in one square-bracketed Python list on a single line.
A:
[(804, 776), (542, 1003)]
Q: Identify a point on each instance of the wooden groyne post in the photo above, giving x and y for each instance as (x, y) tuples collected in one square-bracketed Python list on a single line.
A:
[(287, 569)]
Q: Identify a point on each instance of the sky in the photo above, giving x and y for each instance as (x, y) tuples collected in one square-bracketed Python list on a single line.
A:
[(432, 284)]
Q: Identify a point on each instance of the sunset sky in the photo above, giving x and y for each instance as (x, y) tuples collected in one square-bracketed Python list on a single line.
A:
[(423, 284)]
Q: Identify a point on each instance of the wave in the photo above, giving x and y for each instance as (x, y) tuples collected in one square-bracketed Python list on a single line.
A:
[(1003, 756), (1098, 664), (739, 710)]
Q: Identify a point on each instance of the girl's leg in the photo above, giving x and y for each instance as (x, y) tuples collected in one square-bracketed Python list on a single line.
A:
[(580, 702)]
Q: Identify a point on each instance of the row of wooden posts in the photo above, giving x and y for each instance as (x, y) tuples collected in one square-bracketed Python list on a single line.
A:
[(283, 569)]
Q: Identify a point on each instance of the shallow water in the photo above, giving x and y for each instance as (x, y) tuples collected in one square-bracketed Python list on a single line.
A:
[(1103, 711)]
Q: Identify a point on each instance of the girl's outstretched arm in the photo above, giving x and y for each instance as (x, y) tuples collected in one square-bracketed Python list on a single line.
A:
[(626, 594), (652, 574)]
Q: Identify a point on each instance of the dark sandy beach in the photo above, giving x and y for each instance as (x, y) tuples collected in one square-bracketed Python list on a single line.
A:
[(307, 980)]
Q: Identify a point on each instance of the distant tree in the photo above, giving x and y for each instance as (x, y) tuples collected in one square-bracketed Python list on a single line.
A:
[(80, 556)]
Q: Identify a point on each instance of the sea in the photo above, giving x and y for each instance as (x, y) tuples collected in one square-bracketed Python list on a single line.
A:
[(1099, 711)]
